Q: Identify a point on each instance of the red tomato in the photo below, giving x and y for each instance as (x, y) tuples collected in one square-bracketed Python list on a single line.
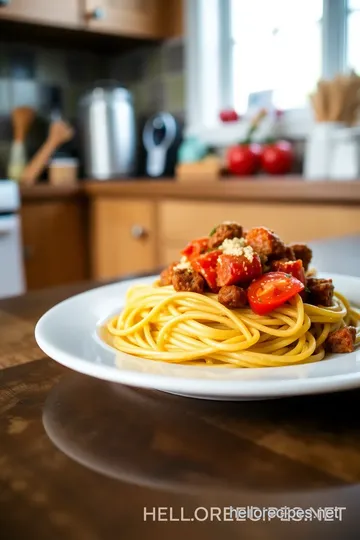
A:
[(272, 290), (295, 268), (206, 266), (195, 248), (277, 158), (233, 269), (229, 115), (243, 159)]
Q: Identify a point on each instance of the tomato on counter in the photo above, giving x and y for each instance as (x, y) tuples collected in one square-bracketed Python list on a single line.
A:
[(272, 290), (277, 158), (229, 115), (244, 159)]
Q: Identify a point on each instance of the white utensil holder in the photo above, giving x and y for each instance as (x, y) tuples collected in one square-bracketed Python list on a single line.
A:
[(320, 150), (346, 157)]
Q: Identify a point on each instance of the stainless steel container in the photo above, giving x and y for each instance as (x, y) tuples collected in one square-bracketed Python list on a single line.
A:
[(108, 131)]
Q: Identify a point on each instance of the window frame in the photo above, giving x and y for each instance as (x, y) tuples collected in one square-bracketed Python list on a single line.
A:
[(295, 123)]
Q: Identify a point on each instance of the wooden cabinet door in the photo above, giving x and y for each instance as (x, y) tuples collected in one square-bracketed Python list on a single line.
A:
[(57, 13), (137, 18), (123, 237), (54, 243)]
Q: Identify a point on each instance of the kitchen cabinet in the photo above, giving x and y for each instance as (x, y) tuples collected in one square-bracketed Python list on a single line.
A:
[(54, 242), (64, 13), (123, 237), (135, 18)]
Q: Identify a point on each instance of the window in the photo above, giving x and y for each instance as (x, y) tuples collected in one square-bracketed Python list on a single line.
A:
[(239, 48), (353, 41), (269, 52)]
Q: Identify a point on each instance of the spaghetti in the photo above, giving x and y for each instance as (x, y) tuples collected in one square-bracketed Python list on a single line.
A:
[(159, 323), (238, 300)]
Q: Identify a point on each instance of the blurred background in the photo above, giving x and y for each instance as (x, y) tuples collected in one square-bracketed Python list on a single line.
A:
[(128, 127)]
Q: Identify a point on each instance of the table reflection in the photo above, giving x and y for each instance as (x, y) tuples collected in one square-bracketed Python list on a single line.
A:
[(163, 441)]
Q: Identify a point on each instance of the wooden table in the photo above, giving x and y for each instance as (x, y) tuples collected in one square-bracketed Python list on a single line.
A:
[(82, 459)]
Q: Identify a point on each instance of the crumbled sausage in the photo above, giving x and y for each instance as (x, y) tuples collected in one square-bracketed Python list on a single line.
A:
[(225, 231), (167, 274), (303, 252), (266, 243), (290, 254), (341, 341), (188, 280), (232, 297), (320, 291)]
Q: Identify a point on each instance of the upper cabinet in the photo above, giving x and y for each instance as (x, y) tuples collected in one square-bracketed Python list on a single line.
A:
[(134, 18), (64, 13), (142, 19)]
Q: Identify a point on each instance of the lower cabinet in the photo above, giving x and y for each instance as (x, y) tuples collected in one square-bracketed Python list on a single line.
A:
[(54, 242), (123, 237)]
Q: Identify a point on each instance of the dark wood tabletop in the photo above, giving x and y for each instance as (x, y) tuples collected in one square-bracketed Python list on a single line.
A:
[(83, 459)]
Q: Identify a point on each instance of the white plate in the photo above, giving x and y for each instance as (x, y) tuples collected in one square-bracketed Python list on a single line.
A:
[(68, 333)]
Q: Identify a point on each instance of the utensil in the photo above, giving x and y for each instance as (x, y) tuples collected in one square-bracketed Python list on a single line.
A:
[(59, 133), (22, 118), (108, 131)]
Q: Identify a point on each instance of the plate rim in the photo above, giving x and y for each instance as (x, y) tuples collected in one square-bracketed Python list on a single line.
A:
[(191, 386)]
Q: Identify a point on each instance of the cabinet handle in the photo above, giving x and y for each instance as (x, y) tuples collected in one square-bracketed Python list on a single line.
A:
[(28, 252), (138, 231), (97, 14)]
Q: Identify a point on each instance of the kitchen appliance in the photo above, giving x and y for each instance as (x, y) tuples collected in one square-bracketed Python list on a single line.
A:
[(11, 265), (161, 138), (108, 131)]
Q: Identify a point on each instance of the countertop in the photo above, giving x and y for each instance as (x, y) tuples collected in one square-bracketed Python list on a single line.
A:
[(286, 189), (84, 459)]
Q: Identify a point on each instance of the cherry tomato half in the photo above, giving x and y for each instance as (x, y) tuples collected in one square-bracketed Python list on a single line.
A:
[(272, 290)]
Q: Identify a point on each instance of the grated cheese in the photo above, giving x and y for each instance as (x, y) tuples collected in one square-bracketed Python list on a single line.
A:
[(237, 246), (184, 264)]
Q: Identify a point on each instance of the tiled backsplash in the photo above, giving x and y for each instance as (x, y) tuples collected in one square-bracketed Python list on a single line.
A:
[(32, 76), (155, 76)]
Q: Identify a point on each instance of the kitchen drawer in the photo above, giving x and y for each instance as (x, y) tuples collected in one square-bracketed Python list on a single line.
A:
[(123, 237), (181, 221)]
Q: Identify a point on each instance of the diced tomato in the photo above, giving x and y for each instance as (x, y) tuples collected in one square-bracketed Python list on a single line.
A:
[(196, 248), (272, 290), (295, 268), (233, 269), (206, 266)]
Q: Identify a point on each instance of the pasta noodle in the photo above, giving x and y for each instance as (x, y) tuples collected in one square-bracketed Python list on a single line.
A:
[(159, 323)]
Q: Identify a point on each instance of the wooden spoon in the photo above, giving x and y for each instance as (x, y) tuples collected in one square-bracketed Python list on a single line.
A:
[(59, 133), (22, 118)]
